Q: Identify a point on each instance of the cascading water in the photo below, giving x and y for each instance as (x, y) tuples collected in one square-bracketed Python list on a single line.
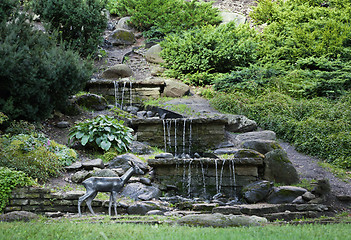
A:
[(164, 134), (203, 177), (217, 185), (115, 84), (190, 137), (189, 179), (175, 137), (234, 180), (123, 89), (221, 177), (130, 93), (184, 128)]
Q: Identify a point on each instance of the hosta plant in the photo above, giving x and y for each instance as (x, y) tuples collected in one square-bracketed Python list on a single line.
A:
[(104, 132)]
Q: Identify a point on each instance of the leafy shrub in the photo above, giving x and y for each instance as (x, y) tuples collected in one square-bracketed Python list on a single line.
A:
[(9, 179), (20, 127), (210, 49), (318, 126), (79, 22), (36, 74), (166, 16), (35, 155), (104, 132), (6, 8), (251, 78)]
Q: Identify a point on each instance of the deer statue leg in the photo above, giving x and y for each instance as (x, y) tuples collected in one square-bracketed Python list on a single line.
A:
[(82, 199), (110, 204), (89, 200), (114, 199)]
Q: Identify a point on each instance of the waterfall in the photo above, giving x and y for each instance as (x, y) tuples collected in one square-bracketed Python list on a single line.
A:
[(115, 84), (184, 173), (189, 178), (164, 134), (123, 89), (169, 125), (234, 181), (190, 137), (217, 188), (221, 177), (130, 92), (184, 128), (203, 178), (175, 137)]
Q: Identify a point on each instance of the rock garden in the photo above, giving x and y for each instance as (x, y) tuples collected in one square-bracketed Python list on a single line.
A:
[(201, 166)]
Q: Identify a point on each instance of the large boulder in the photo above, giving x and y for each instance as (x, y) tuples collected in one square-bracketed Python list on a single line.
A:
[(80, 176), (139, 191), (261, 146), (140, 148), (91, 164), (153, 54), (175, 88), (91, 101), (123, 23), (285, 194), (220, 220), (117, 71), (121, 37), (122, 161), (18, 216), (263, 135), (279, 169), (257, 191), (239, 123), (104, 173), (141, 208)]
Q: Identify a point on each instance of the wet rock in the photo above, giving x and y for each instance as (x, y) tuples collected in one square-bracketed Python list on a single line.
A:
[(257, 191), (175, 88), (299, 200), (139, 191), (141, 208), (74, 167), (53, 214), (146, 181), (95, 163), (308, 196), (279, 169), (262, 146), (117, 71), (153, 54), (155, 212), (164, 155), (220, 220), (18, 216), (239, 123), (80, 176), (92, 101), (104, 173), (285, 194), (121, 37), (141, 114), (62, 124), (122, 161), (140, 148), (123, 24), (157, 71), (263, 135)]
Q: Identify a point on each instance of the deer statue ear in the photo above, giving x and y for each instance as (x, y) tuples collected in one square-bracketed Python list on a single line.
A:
[(131, 163)]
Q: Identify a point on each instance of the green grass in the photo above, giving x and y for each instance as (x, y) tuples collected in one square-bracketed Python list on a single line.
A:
[(86, 231)]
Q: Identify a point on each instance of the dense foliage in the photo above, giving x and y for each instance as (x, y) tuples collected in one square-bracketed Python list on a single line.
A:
[(160, 17), (9, 179), (36, 74), (80, 23), (104, 132), (34, 154), (7, 7), (210, 49)]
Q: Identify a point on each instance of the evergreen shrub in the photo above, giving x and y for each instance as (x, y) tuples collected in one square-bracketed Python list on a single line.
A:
[(80, 23), (36, 74)]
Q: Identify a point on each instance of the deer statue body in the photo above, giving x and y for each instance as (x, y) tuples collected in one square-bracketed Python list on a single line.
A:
[(114, 185)]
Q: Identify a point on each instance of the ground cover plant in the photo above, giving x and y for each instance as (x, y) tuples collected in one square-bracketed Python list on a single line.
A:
[(70, 230)]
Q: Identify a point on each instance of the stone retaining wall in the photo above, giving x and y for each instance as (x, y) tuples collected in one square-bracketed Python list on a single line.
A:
[(181, 135), (204, 177), (41, 200)]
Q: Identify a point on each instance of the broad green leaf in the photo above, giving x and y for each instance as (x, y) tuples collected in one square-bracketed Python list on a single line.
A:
[(105, 145), (85, 139)]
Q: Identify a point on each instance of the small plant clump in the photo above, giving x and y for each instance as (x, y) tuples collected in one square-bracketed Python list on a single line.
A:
[(34, 154), (103, 132), (9, 179)]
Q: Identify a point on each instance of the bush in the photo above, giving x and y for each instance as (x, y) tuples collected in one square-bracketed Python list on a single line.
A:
[(210, 49), (9, 179), (79, 22), (36, 74), (6, 8), (318, 126), (166, 16), (104, 132), (35, 155)]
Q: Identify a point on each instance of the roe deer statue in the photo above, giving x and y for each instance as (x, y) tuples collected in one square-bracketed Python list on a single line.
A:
[(114, 185)]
